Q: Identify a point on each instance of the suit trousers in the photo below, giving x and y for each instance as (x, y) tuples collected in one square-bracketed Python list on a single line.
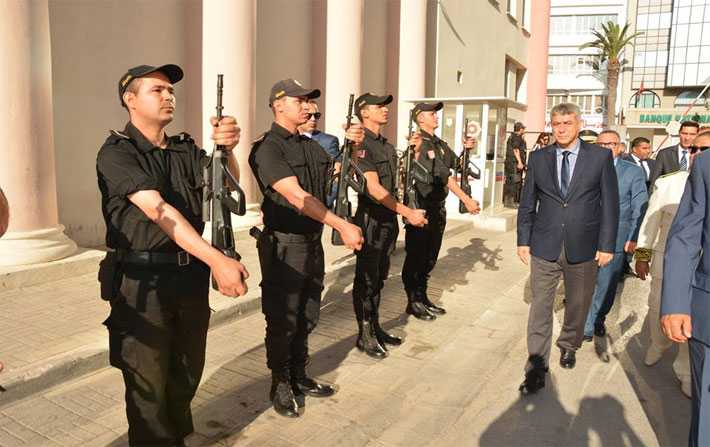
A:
[(659, 342), (157, 338), (700, 416), (608, 279), (579, 280)]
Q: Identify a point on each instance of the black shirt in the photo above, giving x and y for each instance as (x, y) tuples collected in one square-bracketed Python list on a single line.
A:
[(378, 155), (436, 155), (515, 142), (127, 163), (280, 154)]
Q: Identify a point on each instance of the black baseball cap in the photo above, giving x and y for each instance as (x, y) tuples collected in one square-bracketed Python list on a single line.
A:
[(369, 99), (291, 87), (427, 107), (518, 126), (171, 71)]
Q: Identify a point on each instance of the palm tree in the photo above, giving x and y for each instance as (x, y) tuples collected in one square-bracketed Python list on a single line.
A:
[(611, 42)]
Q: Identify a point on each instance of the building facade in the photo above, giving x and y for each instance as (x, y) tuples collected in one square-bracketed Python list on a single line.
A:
[(63, 65), (572, 76), (671, 66)]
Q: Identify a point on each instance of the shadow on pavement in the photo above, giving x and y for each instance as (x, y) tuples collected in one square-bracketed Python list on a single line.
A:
[(541, 420)]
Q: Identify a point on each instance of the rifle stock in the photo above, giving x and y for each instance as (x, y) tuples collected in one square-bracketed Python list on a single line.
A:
[(218, 201), (350, 176)]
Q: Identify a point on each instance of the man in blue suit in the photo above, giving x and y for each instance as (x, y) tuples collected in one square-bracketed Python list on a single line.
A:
[(633, 198), (328, 142), (685, 299), (567, 224)]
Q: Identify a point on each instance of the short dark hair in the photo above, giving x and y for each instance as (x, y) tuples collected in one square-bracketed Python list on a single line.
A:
[(611, 131), (132, 87), (639, 140), (689, 124)]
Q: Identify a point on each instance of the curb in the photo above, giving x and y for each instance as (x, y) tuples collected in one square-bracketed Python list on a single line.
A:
[(89, 359)]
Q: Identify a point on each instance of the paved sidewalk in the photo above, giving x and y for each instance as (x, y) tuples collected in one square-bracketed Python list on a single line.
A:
[(453, 382)]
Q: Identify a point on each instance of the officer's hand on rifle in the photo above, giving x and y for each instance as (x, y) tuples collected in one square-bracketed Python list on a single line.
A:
[(355, 133), (417, 218), (351, 235), (416, 141), (469, 142), (226, 133), (472, 206), (231, 276)]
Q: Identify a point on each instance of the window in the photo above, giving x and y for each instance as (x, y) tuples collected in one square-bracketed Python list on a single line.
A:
[(512, 9), (646, 100), (571, 64), (582, 24), (687, 97), (689, 61)]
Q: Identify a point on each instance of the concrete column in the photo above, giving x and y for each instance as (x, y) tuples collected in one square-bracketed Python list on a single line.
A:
[(343, 59), (537, 69), (228, 47), (27, 172), (412, 60)]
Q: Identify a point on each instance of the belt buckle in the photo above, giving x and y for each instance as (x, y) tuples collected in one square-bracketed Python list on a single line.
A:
[(183, 258)]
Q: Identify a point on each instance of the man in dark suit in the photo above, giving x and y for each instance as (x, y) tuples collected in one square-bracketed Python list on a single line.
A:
[(567, 225), (685, 296), (328, 142), (632, 204), (640, 151), (675, 158)]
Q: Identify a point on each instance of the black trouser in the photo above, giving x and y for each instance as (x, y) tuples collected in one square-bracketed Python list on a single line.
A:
[(157, 334), (422, 246), (292, 270), (380, 230)]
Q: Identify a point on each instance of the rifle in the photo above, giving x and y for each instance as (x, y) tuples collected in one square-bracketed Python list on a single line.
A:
[(217, 201), (413, 171), (465, 170), (350, 176)]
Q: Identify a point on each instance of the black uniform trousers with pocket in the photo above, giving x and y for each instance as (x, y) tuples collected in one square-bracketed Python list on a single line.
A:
[(157, 337), (380, 230), (422, 247), (292, 271)]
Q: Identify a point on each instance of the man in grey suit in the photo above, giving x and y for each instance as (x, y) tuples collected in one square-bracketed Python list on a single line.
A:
[(640, 151), (685, 298), (632, 203), (328, 142), (567, 224), (675, 158)]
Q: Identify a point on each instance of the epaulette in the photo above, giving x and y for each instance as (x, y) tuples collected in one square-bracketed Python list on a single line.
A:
[(119, 134), (182, 137), (259, 140), (114, 137)]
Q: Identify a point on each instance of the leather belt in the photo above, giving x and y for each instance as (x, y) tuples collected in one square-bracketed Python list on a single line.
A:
[(180, 259), (293, 237)]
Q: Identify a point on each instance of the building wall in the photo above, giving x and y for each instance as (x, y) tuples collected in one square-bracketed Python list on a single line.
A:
[(490, 38), (88, 58)]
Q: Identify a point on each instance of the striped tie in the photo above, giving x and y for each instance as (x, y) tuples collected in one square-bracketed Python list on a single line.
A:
[(684, 161)]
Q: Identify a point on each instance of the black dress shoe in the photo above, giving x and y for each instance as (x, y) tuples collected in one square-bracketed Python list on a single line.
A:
[(385, 338), (283, 399), (431, 307), (568, 359), (600, 330), (368, 343), (312, 388), (534, 381), (419, 310)]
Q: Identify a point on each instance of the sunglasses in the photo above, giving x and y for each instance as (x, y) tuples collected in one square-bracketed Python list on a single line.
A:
[(694, 149), (315, 115)]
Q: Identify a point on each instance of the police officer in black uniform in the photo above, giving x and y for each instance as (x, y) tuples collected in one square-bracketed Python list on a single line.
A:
[(293, 173), (377, 216), (516, 153), (156, 275), (422, 244)]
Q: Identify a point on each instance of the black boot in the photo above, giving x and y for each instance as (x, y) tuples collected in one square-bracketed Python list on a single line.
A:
[(282, 397), (417, 309), (382, 336), (431, 307), (367, 341)]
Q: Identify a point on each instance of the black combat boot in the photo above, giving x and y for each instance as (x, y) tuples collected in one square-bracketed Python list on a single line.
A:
[(382, 336), (367, 341), (431, 307), (416, 308), (282, 396), (301, 383)]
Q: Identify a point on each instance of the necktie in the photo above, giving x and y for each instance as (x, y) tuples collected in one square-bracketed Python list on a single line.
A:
[(684, 161), (564, 173)]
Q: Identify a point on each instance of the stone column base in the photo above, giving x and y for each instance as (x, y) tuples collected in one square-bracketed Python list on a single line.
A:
[(34, 247)]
